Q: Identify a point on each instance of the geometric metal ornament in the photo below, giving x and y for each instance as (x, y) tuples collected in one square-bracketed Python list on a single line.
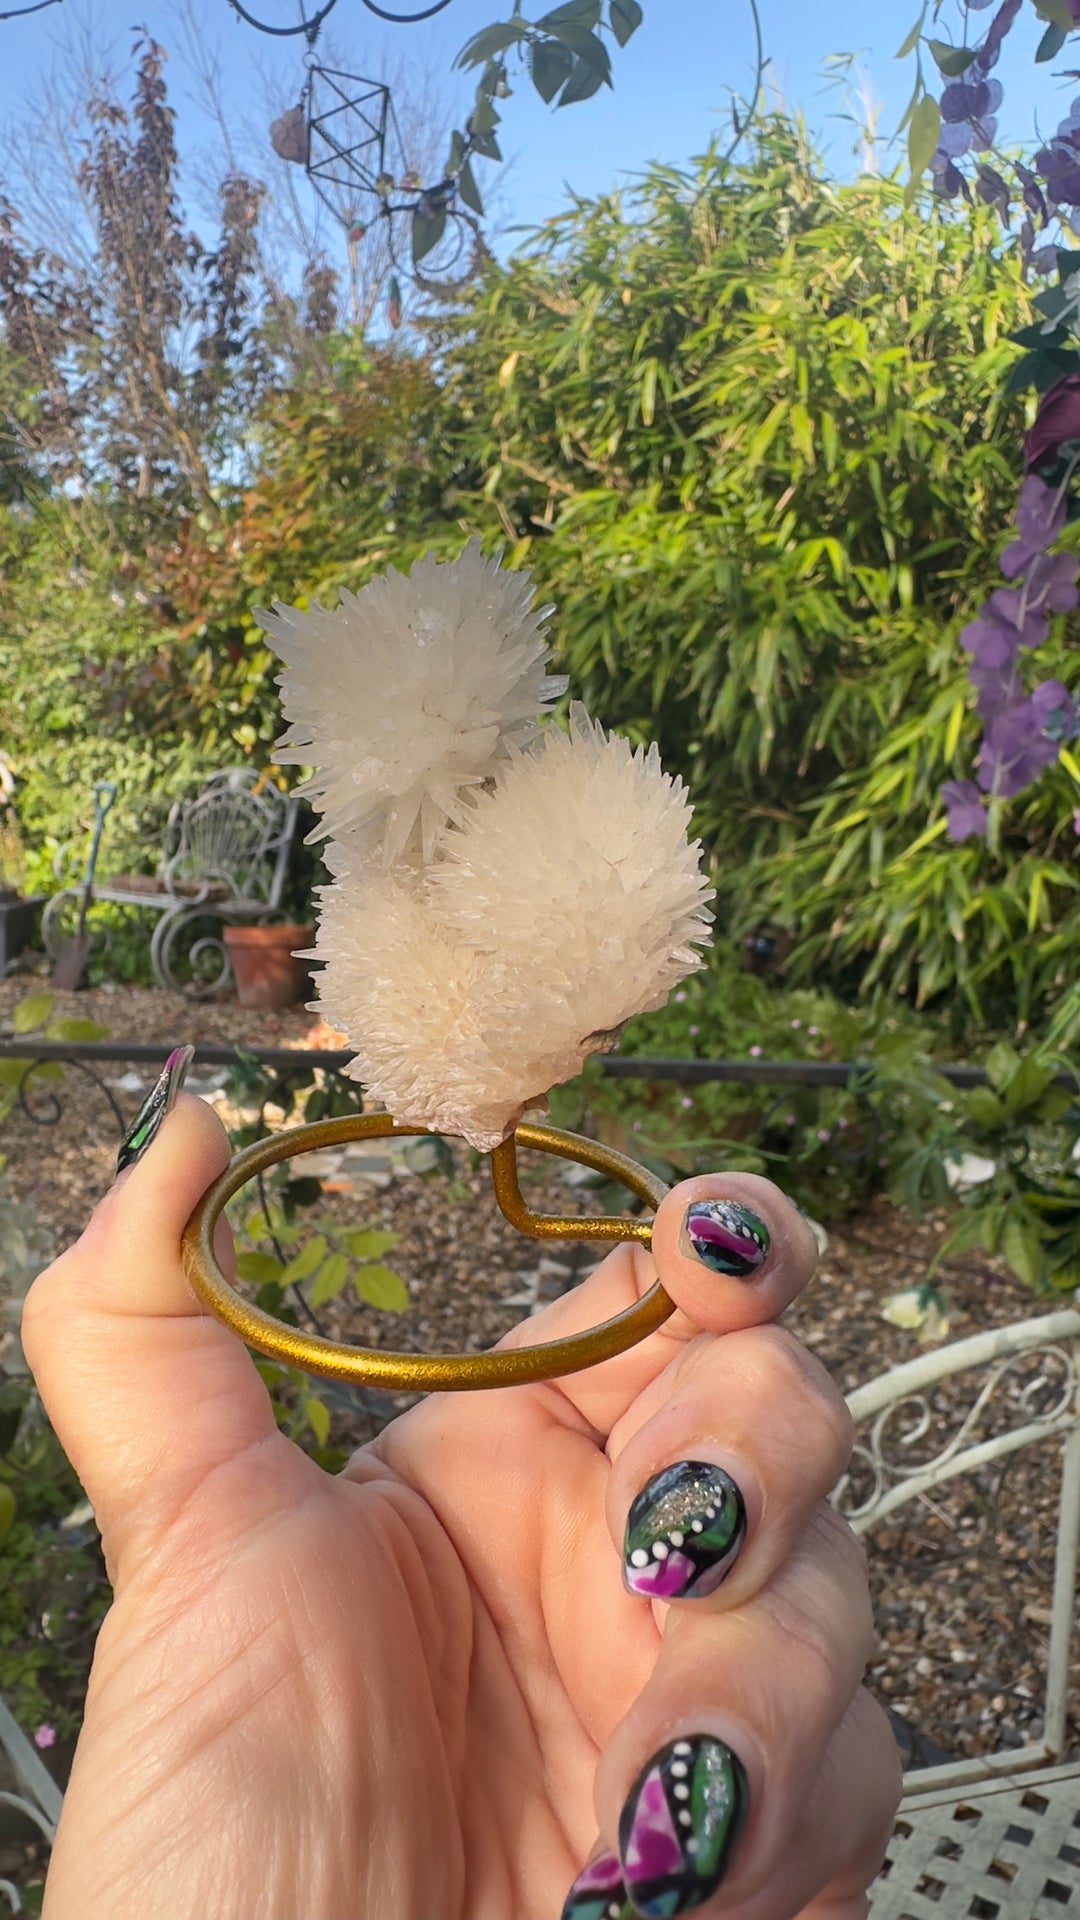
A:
[(350, 122)]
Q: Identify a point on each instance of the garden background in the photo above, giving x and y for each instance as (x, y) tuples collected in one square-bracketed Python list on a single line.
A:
[(748, 425)]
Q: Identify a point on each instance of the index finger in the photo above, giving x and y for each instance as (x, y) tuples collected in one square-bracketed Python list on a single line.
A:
[(730, 1249)]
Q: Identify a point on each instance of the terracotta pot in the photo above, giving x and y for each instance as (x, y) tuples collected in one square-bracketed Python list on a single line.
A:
[(266, 970)]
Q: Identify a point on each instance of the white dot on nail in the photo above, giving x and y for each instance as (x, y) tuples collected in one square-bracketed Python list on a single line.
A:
[(697, 1526), (682, 1746), (639, 1557), (676, 1539), (684, 1818), (678, 1768), (691, 1846), (681, 1792), (661, 1549)]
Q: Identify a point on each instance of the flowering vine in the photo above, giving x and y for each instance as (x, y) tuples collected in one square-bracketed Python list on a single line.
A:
[(1024, 731)]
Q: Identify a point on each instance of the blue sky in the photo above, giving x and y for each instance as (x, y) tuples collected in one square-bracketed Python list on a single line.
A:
[(672, 83)]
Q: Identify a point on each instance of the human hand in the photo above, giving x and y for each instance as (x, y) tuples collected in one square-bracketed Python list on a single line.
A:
[(418, 1690)]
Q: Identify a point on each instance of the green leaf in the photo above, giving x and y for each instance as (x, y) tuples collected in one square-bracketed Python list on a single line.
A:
[(74, 1027), (583, 13), (1024, 1251), (489, 42), (550, 64), (329, 1280), (7, 1508), (467, 188), (626, 18), (456, 158), (912, 40), (1051, 44), (260, 1268), (366, 1243), (306, 1261), (588, 48), (1001, 1063), (951, 61), (648, 393), (426, 233), (483, 118), (584, 81), (381, 1287), (924, 130), (1027, 1086), (318, 1418), (985, 1108), (1058, 13), (32, 1012)]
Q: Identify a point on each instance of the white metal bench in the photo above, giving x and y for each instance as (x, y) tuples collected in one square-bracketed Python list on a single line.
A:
[(225, 858), (995, 1838)]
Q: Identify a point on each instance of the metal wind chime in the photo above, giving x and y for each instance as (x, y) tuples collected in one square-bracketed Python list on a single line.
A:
[(344, 133)]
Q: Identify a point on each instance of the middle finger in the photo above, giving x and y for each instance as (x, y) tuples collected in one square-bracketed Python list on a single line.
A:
[(718, 1464)]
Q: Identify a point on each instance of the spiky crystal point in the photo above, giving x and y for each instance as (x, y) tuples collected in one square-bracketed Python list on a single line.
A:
[(407, 696), (568, 901)]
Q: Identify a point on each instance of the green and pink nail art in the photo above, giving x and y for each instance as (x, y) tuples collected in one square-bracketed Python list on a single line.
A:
[(679, 1825), (727, 1237), (684, 1532), (159, 1102), (598, 1892)]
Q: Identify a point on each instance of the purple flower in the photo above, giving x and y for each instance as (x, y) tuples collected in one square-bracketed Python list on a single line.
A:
[(1057, 421), (45, 1736), (755, 1053), (1040, 515), (999, 27), (961, 101), (955, 139), (1051, 582), (998, 687), (966, 814), (1011, 606), (1055, 710), (1015, 749), (992, 642)]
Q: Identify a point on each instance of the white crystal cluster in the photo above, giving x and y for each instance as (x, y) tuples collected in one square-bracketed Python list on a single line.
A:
[(505, 897)]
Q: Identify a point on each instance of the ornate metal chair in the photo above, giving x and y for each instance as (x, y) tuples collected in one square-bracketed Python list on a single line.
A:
[(996, 1838), (225, 858)]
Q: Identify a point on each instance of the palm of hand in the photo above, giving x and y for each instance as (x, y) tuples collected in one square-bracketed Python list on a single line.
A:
[(455, 1593)]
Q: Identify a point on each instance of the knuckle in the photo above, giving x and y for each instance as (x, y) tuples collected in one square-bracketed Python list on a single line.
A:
[(795, 1380)]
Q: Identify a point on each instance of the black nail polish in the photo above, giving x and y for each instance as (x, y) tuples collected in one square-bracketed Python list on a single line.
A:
[(598, 1892), (679, 1825), (159, 1101), (684, 1532), (726, 1236)]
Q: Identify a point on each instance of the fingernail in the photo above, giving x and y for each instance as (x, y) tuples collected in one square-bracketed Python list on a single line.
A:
[(598, 1892), (684, 1532), (159, 1101), (679, 1825), (726, 1236)]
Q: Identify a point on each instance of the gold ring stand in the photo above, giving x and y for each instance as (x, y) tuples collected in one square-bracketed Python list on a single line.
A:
[(445, 1372)]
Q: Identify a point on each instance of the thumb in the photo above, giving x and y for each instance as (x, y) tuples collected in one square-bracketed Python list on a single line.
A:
[(148, 1394)]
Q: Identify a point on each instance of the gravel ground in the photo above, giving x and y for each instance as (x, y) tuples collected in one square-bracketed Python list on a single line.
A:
[(961, 1583)]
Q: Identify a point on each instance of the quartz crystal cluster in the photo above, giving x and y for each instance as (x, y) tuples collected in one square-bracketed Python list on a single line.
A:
[(505, 895)]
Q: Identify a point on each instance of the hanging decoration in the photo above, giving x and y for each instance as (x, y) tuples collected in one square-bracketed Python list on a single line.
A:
[(344, 133)]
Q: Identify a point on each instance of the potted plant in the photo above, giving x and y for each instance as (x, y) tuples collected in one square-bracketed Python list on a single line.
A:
[(263, 958), (18, 909)]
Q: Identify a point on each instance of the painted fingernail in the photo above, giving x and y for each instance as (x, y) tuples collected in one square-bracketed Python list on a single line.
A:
[(159, 1101), (726, 1236), (680, 1824), (598, 1892), (684, 1532)]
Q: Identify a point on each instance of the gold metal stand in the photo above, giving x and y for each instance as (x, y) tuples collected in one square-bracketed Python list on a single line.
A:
[(447, 1372)]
